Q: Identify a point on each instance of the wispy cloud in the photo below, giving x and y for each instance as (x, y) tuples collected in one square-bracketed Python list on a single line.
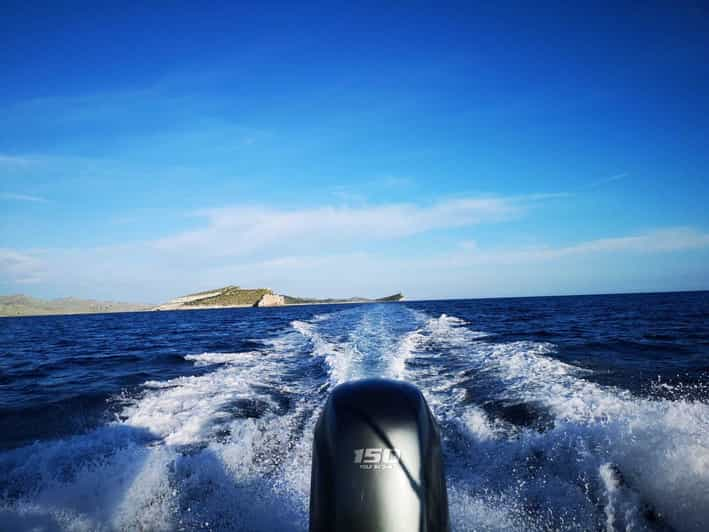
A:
[(146, 271), (542, 196), (268, 240), (341, 250), (20, 267), (662, 240), (23, 197), (142, 271), (657, 241), (606, 180), (395, 181), (347, 194), (16, 160), (384, 182), (244, 229)]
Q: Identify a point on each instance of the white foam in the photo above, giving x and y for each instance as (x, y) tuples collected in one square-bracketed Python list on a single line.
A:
[(206, 359), (178, 458), (370, 347), (487, 513), (182, 414), (339, 365), (479, 425), (622, 505), (403, 352), (447, 331), (451, 330), (660, 446)]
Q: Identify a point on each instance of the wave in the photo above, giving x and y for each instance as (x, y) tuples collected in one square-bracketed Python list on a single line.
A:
[(622, 461), (229, 449), (207, 359), (356, 344), (531, 443), (337, 356)]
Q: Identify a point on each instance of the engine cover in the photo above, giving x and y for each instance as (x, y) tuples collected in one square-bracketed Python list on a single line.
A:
[(377, 462)]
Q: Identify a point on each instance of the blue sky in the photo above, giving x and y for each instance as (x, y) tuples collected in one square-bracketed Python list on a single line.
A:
[(452, 150)]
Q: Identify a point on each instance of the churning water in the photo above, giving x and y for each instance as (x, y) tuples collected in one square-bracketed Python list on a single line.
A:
[(576, 413)]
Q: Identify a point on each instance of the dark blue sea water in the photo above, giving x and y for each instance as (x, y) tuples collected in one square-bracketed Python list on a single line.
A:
[(568, 413)]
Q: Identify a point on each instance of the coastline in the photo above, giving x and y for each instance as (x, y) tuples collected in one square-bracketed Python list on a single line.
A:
[(191, 308)]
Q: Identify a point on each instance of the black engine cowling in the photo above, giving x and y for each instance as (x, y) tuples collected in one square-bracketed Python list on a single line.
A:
[(377, 462)]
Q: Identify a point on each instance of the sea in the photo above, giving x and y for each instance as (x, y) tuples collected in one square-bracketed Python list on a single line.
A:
[(556, 413)]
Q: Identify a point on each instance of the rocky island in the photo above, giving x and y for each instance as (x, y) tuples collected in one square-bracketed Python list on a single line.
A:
[(235, 296)]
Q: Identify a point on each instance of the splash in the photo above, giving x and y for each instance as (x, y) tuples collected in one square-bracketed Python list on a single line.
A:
[(530, 427), (531, 442)]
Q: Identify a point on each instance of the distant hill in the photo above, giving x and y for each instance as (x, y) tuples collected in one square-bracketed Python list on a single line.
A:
[(235, 296), (21, 305), (228, 296)]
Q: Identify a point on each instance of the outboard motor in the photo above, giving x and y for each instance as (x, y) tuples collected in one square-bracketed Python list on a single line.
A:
[(377, 463)]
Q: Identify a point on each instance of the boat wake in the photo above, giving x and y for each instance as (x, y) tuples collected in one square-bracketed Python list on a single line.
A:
[(530, 442)]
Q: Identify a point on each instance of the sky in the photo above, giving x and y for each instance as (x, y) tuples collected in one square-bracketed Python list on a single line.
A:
[(444, 150)]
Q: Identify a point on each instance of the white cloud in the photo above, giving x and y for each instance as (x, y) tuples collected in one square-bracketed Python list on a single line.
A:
[(20, 267), (15, 160), (356, 193), (326, 251), (395, 181), (606, 180), (23, 197), (672, 239), (237, 231), (473, 271), (661, 240)]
